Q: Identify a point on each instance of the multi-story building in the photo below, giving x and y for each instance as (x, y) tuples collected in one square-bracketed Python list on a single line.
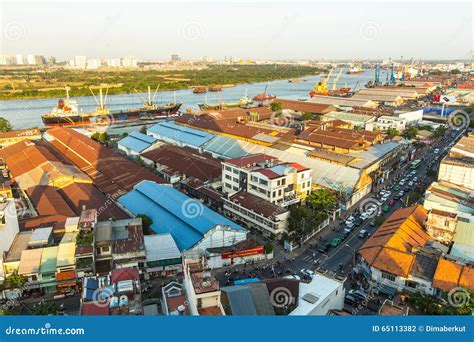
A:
[(441, 225), (202, 288), (458, 166), (266, 177), (8, 225)]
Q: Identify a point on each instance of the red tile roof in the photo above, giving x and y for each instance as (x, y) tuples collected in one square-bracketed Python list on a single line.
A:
[(304, 106), (78, 195), (93, 309), (121, 274), (251, 159), (111, 172), (391, 248), (185, 161), (48, 201)]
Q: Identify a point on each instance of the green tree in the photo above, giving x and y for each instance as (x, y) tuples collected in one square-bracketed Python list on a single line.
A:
[(124, 134), (45, 309), (5, 125), (440, 132), (15, 280), (268, 248), (392, 132), (410, 132), (307, 116), (143, 129), (100, 137), (275, 106), (322, 200), (455, 71), (146, 223)]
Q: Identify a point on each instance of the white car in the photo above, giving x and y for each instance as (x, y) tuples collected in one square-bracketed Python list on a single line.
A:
[(410, 184), (415, 179), (307, 272)]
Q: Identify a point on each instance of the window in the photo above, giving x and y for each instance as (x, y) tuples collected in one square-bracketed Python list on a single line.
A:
[(412, 284), (279, 192), (235, 171), (388, 276), (228, 168), (274, 194), (228, 177), (283, 181)]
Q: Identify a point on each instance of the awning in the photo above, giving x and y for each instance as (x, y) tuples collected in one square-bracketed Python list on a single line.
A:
[(71, 283), (387, 290), (67, 275)]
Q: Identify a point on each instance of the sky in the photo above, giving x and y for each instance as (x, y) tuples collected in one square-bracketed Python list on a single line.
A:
[(255, 30)]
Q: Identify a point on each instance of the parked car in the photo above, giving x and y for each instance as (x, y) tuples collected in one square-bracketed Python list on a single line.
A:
[(358, 294), (391, 202), (363, 234), (324, 248), (336, 242), (359, 221), (351, 300)]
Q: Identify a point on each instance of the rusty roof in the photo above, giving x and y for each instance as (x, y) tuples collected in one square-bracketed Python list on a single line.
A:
[(304, 106), (256, 204), (393, 245), (450, 274), (48, 201), (111, 172), (78, 195), (185, 161)]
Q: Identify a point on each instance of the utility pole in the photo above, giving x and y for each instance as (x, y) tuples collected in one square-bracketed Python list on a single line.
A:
[(301, 237)]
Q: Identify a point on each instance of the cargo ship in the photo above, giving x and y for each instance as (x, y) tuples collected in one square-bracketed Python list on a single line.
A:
[(243, 103), (355, 70), (67, 112)]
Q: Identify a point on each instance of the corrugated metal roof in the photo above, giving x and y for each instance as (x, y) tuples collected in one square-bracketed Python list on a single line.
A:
[(189, 136), (30, 261), (41, 235), (186, 219), (240, 301), (161, 247), (49, 259), (225, 146), (137, 141)]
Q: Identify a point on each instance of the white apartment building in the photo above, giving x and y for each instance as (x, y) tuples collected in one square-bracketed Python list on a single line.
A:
[(202, 288), (386, 122), (458, 166), (280, 183), (322, 294), (8, 224)]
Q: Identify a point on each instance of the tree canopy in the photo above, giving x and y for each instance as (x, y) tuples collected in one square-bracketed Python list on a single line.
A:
[(5, 125)]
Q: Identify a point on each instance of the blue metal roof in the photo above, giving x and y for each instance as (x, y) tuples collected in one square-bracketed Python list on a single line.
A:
[(147, 138), (137, 142), (189, 136), (186, 219), (225, 146)]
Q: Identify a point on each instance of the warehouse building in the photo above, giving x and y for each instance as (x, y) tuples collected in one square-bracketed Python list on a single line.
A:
[(192, 225)]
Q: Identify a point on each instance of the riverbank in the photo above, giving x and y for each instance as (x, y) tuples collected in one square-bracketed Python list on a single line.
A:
[(27, 84)]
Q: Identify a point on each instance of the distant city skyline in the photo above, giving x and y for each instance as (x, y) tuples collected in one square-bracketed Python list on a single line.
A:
[(260, 31)]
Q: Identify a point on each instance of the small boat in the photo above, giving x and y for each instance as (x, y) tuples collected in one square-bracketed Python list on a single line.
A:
[(243, 103), (199, 90), (215, 88)]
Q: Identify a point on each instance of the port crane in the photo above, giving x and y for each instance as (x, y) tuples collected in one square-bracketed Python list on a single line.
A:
[(334, 83)]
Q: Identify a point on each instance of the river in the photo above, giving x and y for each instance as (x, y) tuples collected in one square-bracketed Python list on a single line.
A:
[(27, 113)]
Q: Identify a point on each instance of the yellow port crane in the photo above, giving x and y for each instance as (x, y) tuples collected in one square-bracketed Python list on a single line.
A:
[(322, 86), (334, 82)]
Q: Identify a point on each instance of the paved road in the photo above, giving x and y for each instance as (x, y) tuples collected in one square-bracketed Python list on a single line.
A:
[(309, 257)]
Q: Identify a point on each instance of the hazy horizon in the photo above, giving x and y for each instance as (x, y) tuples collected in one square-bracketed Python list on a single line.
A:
[(242, 30)]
